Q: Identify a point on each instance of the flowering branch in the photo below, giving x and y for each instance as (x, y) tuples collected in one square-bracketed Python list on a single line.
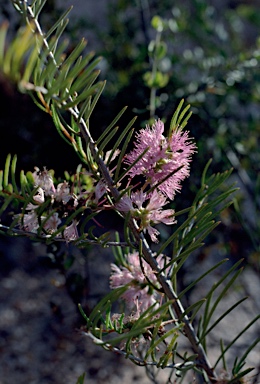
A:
[(146, 251), (60, 211)]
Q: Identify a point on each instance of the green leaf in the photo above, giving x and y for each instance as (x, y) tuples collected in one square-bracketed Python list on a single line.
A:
[(103, 304), (93, 103), (29, 68), (6, 171), (83, 313), (235, 339), (222, 347), (110, 127), (75, 53), (242, 374), (49, 62), (204, 173), (161, 50), (209, 313), (163, 361), (84, 81), (183, 120), (1, 179), (3, 32), (13, 169), (61, 20), (37, 8), (178, 231), (81, 379), (89, 91), (106, 140), (246, 353), (58, 124), (196, 306), (156, 342), (221, 318), (156, 80), (54, 42), (148, 317), (195, 282), (174, 120), (123, 136), (6, 203), (157, 23), (24, 183)]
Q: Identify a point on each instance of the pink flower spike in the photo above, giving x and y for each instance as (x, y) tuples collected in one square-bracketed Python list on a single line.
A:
[(139, 295), (164, 157)]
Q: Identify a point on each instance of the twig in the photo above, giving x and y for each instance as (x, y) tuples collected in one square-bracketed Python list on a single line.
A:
[(21, 232)]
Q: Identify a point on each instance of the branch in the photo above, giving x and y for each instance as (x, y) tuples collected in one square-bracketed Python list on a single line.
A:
[(148, 256), (202, 360), (20, 232), (135, 359)]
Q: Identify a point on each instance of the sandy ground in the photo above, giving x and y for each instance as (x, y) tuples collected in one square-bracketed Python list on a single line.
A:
[(39, 338)]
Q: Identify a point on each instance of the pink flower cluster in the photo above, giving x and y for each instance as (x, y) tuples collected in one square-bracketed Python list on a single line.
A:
[(164, 164), (139, 295), (61, 202), (148, 210)]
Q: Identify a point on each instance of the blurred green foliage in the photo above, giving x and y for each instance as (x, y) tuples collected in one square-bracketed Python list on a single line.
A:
[(207, 52)]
